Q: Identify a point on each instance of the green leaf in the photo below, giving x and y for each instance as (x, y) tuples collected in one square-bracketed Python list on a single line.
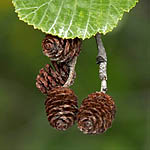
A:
[(73, 18)]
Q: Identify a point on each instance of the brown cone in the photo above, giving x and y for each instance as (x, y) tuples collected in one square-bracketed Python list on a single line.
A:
[(62, 50), (96, 113), (61, 108), (52, 76)]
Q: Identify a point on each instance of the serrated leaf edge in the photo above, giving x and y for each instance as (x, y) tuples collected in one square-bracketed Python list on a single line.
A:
[(115, 24)]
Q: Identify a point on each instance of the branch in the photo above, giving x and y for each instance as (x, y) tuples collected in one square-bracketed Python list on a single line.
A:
[(72, 65), (101, 59)]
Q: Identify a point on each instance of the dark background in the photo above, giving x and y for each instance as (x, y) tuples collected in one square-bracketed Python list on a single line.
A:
[(23, 122)]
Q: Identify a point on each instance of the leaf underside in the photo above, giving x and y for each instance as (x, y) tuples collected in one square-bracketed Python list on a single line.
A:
[(73, 18)]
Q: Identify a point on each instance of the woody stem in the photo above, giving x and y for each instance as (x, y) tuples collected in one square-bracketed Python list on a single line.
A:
[(101, 60), (72, 65)]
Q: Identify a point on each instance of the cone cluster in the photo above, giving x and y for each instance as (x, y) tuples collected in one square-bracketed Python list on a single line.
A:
[(61, 108), (96, 113), (62, 50), (61, 102)]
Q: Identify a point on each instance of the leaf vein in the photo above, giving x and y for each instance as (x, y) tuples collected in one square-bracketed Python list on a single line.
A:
[(55, 21), (70, 24), (34, 12), (45, 12), (87, 24)]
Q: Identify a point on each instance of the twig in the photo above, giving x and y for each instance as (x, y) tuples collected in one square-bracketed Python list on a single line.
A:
[(102, 61), (72, 65)]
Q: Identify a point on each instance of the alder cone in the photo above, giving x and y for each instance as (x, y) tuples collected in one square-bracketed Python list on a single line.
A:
[(52, 76), (62, 50), (96, 113), (61, 108)]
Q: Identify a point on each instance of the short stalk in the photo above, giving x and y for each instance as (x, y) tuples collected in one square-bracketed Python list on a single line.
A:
[(101, 60), (72, 65)]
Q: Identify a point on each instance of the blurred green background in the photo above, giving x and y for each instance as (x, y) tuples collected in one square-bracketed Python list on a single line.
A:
[(23, 122)]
